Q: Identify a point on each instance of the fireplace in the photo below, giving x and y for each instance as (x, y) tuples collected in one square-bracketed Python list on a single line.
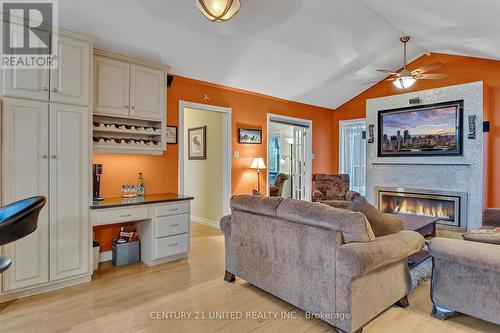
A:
[(446, 206)]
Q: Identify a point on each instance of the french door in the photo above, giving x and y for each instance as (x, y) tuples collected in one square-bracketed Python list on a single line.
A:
[(299, 163)]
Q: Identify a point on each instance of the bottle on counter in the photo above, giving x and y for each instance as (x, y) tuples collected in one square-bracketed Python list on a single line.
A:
[(140, 185)]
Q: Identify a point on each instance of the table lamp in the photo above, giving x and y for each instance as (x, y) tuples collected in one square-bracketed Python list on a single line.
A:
[(258, 164)]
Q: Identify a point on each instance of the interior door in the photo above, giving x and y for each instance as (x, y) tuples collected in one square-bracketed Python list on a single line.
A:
[(25, 83), (147, 92), (111, 87), (69, 82), (25, 174), (69, 191), (299, 163)]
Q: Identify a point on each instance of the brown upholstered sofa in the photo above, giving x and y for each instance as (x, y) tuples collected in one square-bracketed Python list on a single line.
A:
[(323, 260), (465, 278), (333, 190)]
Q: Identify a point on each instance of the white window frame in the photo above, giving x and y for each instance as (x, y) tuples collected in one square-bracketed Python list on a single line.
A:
[(343, 123)]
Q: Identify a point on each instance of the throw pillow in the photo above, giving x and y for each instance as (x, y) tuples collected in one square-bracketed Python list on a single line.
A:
[(382, 224), (489, 235)]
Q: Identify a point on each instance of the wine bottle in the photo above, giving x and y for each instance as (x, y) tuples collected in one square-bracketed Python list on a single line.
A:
[(140, 185)]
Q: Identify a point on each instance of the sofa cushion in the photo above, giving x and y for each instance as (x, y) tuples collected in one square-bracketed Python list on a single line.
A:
[(382, 224), (256, 204), (489, 235), (353, 226), (333, 187)]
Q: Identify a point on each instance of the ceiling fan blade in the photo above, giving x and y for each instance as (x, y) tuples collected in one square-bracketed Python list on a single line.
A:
[(427, 68), (432, 76), (391, 79), (386, 71)]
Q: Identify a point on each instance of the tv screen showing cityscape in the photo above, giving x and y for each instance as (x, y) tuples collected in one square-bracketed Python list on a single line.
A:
[(425, 130)]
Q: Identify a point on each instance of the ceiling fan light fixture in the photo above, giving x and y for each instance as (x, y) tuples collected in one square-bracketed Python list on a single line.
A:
[(218, 10), (404, 82)]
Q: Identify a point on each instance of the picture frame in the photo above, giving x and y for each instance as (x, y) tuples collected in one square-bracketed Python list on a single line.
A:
[(197, 143), (249, 136), (171, 134)]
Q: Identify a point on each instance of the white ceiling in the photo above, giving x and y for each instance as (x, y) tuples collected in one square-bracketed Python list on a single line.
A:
[(318, 52)]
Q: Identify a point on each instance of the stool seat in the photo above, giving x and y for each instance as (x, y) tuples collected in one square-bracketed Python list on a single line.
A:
[(5, 263)]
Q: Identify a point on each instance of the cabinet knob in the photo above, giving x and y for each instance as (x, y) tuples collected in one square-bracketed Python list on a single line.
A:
[(45, 156), (45, 88), (132, 107), (54, 89), (126, 106), (54, 156)]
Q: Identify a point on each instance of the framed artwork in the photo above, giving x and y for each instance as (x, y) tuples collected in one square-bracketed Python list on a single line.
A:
[(197, 148), (171, 134), (252, 136)]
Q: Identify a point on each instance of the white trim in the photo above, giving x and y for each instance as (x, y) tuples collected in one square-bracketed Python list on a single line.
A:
[(207, 222), (105, 256), (341, 140), (226, 159), (309, 150)]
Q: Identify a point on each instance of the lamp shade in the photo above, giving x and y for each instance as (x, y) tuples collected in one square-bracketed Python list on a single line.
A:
[(404, 82), (258, 163), (218, 10)]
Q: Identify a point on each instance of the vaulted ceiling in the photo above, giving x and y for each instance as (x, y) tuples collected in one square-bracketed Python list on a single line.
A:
[(319, 52)]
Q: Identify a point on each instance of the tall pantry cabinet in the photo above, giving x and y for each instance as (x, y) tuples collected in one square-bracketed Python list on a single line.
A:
[(46, 150)]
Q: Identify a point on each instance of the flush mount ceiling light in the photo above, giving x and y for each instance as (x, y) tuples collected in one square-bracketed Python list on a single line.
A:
[(218, 10)]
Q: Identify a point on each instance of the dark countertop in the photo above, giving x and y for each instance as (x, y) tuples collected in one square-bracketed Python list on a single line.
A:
[(147, 199)]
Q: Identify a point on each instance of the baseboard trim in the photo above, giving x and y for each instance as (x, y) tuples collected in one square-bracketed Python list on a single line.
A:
[(105, 256), (207, 222)]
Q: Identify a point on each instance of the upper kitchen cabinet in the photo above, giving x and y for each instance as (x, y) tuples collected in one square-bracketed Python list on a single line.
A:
[(128, 87), (67, 82), (147, 92), (111, 86)]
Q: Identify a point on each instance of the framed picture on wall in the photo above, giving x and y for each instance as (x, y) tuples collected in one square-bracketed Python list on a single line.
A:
[(197, 147), (252, 136), (171, 134)]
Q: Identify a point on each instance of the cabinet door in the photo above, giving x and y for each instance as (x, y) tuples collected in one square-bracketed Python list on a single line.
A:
[(69, 191), (69, 82), (111, 84), (147, 93), (25, 83), (25, 174)]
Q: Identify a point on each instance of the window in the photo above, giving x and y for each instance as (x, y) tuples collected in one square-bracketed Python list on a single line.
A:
[(274, 156), (353, 153)]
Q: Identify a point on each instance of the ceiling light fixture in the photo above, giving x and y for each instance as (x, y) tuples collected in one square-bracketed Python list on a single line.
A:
[(404, 82), (218, 10)]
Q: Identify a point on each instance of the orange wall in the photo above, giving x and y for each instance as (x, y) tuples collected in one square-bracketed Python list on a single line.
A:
[(460, 70), (248, 110)]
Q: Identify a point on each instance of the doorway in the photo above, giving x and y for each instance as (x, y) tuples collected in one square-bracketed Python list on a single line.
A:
[(205, 170), (289, 156)]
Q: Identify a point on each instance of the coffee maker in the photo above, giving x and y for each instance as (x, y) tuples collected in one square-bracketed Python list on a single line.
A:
[(97, 171)]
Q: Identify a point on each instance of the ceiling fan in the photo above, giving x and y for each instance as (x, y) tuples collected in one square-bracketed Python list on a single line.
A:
[(405, 78)]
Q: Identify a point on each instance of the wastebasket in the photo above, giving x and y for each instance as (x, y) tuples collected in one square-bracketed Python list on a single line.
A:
[(125, 253), (96, 248)]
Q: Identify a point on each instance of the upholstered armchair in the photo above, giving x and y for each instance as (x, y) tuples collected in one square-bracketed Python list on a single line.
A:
[(276, 189), (491, 217), (333, 190)]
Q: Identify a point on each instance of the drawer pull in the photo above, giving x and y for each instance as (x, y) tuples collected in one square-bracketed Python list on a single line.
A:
[(174, 225), (126, 215), (174, 244), (173, 209)]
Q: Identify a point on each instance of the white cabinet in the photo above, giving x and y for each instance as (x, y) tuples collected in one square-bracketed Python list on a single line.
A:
[(111, 86), (147, 92), (25, 173), (69, 188), (69, 82)]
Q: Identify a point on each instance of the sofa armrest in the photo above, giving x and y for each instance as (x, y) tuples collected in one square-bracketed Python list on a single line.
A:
[(475, 254), (317, 196), (356, 259), (352, 195), (225, 225)]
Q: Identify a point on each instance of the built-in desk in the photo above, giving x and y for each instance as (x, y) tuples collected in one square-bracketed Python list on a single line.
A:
[(162, 222)]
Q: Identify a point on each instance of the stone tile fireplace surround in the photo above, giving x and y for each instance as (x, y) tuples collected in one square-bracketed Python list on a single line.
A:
[(459, 177)]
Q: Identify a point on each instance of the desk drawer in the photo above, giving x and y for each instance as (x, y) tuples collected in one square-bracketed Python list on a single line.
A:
[(170, 209), (171, 225), (169, 246), (118, 215)]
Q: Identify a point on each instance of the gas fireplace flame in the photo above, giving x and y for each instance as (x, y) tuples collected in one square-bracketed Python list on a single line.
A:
[(418, 207)]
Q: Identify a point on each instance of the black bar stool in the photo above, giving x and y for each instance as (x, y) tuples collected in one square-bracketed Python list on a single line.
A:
[(18, 220)]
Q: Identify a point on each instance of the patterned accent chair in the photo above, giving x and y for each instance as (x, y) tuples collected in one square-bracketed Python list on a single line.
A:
[(491, 217), (276, 189), (333, 190)]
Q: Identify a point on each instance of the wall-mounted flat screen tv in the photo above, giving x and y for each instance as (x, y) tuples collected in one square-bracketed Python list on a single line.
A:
[(429, 130)]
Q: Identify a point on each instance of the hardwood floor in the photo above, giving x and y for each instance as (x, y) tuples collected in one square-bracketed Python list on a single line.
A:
[(124, 299)]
